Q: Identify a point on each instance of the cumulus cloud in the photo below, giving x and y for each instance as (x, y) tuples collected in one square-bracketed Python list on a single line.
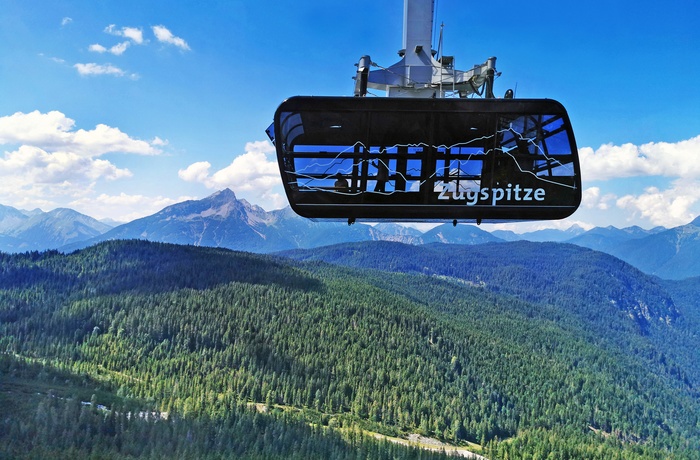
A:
[(134, 34), (253, 175), (117, 49), (165, 36), (123, 207), (54, 131), (97, 48), (197, 172), (92, 68), (669, 208), (593, 198), (680, 159), (37, 166), (45, 156)]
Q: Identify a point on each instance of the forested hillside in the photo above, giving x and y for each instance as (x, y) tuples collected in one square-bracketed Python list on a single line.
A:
[(547, 273), (203, 333), (618, 304), (68, 419)]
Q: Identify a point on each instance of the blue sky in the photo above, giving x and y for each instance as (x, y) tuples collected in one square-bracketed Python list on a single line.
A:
[(120, 108)]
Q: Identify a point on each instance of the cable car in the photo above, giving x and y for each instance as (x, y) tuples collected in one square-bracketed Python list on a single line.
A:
[(420, 155)]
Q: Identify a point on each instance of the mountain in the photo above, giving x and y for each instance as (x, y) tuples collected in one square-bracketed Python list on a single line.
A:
[(395, 232), (111, 222), (10, 218), (221, 220), (10, 244), (549, 234), (459, 234), (45, 230), (608, 239), (669, 254), (498, 347)]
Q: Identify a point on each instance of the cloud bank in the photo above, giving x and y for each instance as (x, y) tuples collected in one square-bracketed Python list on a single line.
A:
[(46, 160), (678, 162), (652, 159), (124, 207)]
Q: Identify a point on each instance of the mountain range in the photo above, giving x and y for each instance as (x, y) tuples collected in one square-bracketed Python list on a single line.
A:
[(36, 230), (222, 220)]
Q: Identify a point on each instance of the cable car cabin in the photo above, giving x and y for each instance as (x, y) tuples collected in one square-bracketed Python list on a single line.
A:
[(483, 160)]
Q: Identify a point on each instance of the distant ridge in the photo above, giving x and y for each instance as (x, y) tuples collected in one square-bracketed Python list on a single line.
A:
[(527, 270), (222, 220), (669, 254), (45, 230), (609, 238)]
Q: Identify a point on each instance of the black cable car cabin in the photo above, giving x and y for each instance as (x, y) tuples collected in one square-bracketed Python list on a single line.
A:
[(422, 159)]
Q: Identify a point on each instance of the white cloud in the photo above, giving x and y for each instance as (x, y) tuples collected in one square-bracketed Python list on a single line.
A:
[(31, 164), (32, 177), (252, 175), (132, 33), (53, 131), (197, 172), (97, 48), (92, 68), (123, 207), (592, 198), (65, 21), (165, 36), (680, 159), (669, 208), (50, 160), (35, 128), (136, 35), (673, 206), (117, 49)]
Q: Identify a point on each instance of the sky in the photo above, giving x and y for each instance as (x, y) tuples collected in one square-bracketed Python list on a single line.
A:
[(119, 108)]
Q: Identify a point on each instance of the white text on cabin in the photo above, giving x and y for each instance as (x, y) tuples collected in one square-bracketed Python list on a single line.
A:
[(510, 193)]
